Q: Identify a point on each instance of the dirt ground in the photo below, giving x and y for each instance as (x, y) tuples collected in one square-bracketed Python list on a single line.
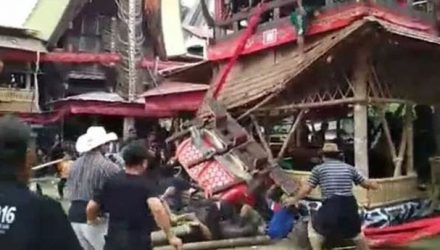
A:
[(282, 245), (49, 188)]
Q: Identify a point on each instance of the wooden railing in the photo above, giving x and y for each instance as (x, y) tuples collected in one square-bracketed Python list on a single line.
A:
[(270, 6), (15, 95), (16, 100), (231, 21)]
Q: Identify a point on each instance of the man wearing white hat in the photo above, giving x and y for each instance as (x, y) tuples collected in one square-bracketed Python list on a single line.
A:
[(88, 173)]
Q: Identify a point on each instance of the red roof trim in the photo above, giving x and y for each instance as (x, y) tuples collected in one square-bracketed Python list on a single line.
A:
[(169, 88), (69, 57), (328, 21)]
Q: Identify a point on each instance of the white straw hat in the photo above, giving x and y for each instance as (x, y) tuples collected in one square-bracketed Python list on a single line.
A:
[(330, 148), (95, 137)]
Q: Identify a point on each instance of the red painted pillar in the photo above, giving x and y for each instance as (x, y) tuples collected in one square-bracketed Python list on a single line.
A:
[(219, 5)]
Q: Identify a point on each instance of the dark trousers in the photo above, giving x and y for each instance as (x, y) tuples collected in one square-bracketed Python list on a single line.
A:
[(61, 185), (39, 189), (338, 218), (124, 240)]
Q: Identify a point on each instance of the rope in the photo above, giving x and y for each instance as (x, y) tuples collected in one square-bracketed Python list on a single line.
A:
[(253, 22)]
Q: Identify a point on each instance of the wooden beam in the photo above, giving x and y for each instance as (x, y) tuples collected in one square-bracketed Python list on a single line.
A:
[(217, 244), (158, 237), (373, 100), (386, 129), (350, 100), (410, 134), (360, 110), (297, 106), (261, 103), (263, 140), (291, 133), (402, 149)]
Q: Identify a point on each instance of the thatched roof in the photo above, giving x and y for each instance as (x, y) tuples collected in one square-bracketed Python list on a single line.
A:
[(257, 76)]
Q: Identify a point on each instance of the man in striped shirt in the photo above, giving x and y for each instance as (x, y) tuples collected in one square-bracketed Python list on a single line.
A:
[(87, 175), (338, 217)]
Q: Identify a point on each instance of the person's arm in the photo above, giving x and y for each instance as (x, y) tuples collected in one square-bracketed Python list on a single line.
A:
[(306, 188), (160, 215), (94, 207), (303, 192), (358, 179), (163, 221), (369, 184), (173, 217), (93, 211)]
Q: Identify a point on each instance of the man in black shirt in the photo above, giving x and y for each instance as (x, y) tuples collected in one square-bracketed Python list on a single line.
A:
[(131, 202), (27, 221)]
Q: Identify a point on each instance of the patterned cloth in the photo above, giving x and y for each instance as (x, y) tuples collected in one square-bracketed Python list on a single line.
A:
[(335, 178), (87, 174)]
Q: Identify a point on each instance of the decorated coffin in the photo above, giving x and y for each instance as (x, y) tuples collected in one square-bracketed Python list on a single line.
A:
[(222, 157)]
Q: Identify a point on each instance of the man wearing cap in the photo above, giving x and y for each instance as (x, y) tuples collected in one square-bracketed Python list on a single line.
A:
[(338, 216), (27, 221), (88, 174)]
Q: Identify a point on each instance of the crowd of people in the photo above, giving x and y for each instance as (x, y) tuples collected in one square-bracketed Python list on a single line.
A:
[(116, 208), (110, 208)]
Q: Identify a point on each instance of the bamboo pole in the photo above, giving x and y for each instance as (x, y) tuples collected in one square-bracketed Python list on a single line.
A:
[(47, 164), (227, 243), (410, 135), (402, 149), (359, 79), (291, 133), (261, 103), (314, 104), (350, 100), (386, 129), (262, 138), (158, 237)]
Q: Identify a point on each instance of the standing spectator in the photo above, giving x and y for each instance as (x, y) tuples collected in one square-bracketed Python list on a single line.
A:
[(88, 174), (318, 138), (424, 143), (132, 136), (29, 221), (132, 204), (56, 151)]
